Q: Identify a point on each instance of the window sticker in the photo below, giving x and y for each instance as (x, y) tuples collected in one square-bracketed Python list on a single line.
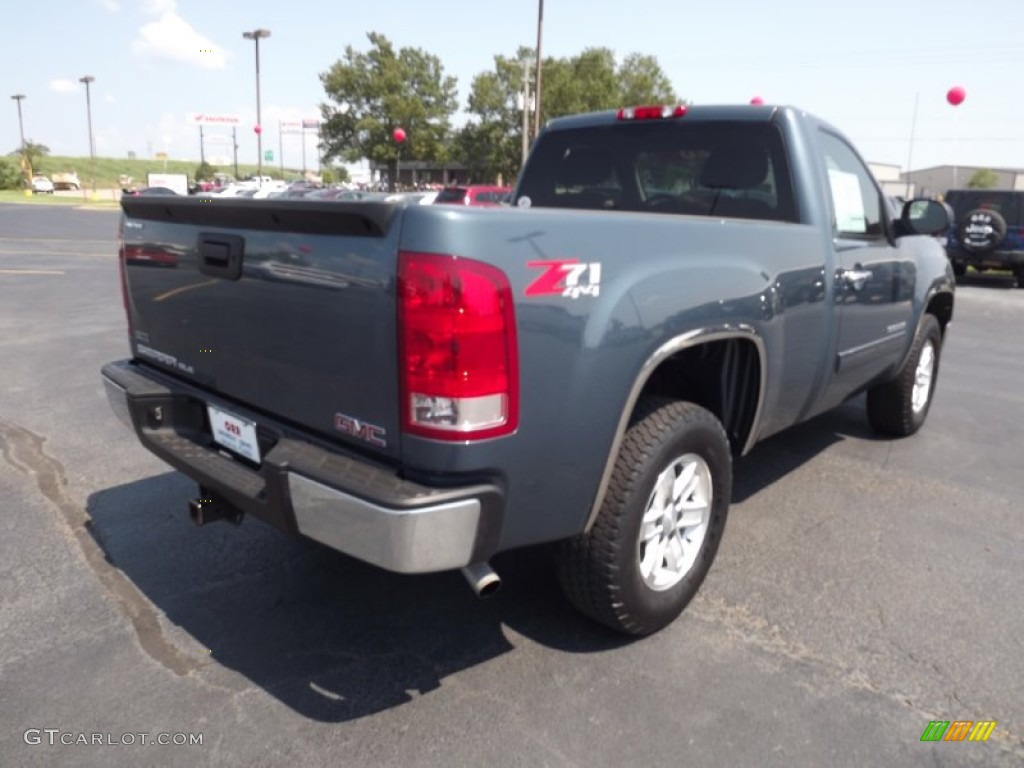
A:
[(848, 202)]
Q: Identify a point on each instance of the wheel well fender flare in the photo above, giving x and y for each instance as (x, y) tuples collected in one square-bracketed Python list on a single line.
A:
[(664, 352)]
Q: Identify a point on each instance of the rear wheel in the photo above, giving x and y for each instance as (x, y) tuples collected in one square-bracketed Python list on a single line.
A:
[(659, 526), (900, 406)]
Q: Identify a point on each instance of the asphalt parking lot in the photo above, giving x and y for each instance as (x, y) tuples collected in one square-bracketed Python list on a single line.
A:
[(864, 588)]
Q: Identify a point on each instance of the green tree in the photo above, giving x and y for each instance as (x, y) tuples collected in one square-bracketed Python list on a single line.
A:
[(371, 94), (205, 172), (30, 156), (491, 142), (983, 179), (592, 81), (10, 173), (337, 175), (642, 81)]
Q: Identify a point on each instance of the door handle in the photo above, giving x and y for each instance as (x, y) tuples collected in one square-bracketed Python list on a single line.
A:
[(856, 277)]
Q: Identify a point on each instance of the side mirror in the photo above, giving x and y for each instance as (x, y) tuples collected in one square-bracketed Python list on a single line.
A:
[(925, 217)]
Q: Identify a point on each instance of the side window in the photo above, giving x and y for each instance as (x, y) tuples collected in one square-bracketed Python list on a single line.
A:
[(856, 203)]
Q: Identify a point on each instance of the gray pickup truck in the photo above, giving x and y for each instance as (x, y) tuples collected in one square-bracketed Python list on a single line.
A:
[(422, 387)]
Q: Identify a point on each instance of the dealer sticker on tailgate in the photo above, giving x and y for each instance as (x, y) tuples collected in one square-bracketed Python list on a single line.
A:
[(234, 433)]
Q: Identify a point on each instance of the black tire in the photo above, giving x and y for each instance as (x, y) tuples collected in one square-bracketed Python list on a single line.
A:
[(891, 406), (600, 571), (959, 269), (1019, 274), (982, 230)]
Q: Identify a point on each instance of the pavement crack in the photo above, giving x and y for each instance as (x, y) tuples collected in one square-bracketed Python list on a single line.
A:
[(25, 451)]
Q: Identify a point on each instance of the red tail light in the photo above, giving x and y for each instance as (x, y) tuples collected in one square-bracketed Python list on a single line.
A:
[(459, 364), (122, 267)]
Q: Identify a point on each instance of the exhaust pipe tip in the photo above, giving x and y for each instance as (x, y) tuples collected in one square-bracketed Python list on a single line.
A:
[(482, 579), (195, 512)]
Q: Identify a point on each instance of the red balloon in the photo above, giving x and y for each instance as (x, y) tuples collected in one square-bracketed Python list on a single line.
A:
[(757, 101), (258, 129), (956, 95), (399, 135)]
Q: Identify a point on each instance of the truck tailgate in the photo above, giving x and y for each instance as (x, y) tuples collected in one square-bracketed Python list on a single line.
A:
[(285, 307)]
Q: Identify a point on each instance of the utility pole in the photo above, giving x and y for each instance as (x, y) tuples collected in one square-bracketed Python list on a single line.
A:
[(234, 144), (202, 149), (526, 110), (536, 87)]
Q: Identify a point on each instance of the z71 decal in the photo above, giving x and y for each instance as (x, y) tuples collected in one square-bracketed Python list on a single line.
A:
[(565, 277)]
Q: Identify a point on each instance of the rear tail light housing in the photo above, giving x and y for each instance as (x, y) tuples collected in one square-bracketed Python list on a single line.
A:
[(458, 356)]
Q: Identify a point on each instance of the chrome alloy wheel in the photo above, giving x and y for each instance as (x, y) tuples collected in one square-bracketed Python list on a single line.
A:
[(675, 522), (923, 376)]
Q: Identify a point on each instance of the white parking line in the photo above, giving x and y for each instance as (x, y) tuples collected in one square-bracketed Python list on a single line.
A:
[(77, 240), (31, 271)]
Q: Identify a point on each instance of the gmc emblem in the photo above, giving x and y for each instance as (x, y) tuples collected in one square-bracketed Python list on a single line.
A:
[(361, 430)]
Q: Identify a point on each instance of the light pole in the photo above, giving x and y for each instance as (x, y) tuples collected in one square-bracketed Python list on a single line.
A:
[(21, 130), (88, 112), (255, 36)]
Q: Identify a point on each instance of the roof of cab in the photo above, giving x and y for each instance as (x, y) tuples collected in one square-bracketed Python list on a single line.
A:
[(702, 113)]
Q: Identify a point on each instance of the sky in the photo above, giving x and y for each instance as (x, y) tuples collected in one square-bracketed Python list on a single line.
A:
[(861, 65)]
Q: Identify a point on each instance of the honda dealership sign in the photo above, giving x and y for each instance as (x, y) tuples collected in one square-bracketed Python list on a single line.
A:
[(203, 118)]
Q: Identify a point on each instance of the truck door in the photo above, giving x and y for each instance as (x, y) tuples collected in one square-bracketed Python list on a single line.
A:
[(874, 281)]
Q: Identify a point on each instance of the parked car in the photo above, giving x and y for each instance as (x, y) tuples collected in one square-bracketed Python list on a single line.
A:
[(150, 192), (473, 195), (987, 231), (41, 185), (66, 181)]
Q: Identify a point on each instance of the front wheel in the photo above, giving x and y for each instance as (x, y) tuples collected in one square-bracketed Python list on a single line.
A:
[(900, 406), (659, 526)]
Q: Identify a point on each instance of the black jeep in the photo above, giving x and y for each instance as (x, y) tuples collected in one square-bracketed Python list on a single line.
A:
[(987, 231)]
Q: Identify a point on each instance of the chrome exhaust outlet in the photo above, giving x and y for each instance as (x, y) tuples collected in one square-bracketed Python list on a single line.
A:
[(209, 509), (482, 579)]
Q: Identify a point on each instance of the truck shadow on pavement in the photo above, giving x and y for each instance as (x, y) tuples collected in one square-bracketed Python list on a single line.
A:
[(780, 454), (329, 636), (335, 639)]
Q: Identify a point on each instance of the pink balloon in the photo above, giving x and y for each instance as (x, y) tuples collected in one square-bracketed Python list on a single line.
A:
[(258, 129), (956, 95), (399, 135), (757, 101)]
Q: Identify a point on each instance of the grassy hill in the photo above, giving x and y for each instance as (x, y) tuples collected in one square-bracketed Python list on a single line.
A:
[(109, 169)]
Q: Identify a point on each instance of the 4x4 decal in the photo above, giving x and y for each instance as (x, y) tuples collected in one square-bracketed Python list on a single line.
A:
[(565, 277)]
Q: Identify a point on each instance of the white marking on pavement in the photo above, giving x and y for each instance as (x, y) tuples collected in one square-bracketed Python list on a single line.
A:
[(31, 271)]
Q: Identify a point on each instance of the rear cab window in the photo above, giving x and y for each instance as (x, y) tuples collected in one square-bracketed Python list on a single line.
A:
[(699, 168)]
